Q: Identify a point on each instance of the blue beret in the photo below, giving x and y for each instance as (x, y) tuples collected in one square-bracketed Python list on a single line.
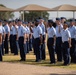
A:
[(50, 21), (26, 22), (9, 21), (19, 20), (58, 19), (23, 22), (37, 20), (40, 18), (5, 20), (72, 20), (66, 23), (16, 21), (63, 18), (29, 21), (13, 20), (32, 22)]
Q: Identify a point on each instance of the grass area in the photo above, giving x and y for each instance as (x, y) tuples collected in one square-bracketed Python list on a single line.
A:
[(30, 59)]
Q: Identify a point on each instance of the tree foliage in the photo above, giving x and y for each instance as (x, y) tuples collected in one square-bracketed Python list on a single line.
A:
[(32, 15), (6, 15)]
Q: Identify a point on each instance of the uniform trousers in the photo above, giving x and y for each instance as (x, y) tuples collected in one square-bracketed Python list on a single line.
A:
[(72, 50), (66, 52), (15, 48), (6, 44), (30, 44), (21, 47), (25, 48), (27, 42), (58, 48), (50, 44), (37, 48), (42, 47), (2, 47), (11, 43), (0, 52), (33, 44)]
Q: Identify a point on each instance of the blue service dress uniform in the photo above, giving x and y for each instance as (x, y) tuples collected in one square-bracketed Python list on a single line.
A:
[(59, 42), (65, 46), (75, 47), (72, 30), (1, 31), (7, 30), (26, 44), (11, 39), (75, 34), (50, 43), (43, 54), (37, 31), (28, 32), (30, 39), (15, 31), (3, 38), (21, 33)]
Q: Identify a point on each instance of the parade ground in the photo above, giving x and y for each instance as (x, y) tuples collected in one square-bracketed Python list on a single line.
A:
[(25, 69), (12, 66), (37, 37)]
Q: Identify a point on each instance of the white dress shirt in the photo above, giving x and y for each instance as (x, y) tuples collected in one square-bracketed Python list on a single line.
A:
[(58, 34), (65, 35), (37, 31), (51, 32), (72, 31)]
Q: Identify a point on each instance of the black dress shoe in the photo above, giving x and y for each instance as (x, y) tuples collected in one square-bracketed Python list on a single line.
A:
[(0, 60), (59, 60), (43, 59), (22, 60), (15, 54), (37, 60), (66, 64), (52, 62)]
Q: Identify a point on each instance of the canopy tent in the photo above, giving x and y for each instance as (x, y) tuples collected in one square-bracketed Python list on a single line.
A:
[(32, 7), (3, 9), (65, 7)]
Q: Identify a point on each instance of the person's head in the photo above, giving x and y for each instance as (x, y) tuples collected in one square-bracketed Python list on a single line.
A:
[(0, 22), (13, 22), (16, 22), (54, 25), (29, 23), (5, 22), (41, 19), (50, 23), (19, 22), (65, 26), (33, 24), (25, 24), (58, 21), (72, 22), (36, 22), (10, 23), (63, 19)]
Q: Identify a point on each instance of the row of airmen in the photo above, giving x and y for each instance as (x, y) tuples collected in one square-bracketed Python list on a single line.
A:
[(61, 39)]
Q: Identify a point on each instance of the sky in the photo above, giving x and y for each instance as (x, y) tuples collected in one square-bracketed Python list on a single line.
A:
[(46, 3)]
